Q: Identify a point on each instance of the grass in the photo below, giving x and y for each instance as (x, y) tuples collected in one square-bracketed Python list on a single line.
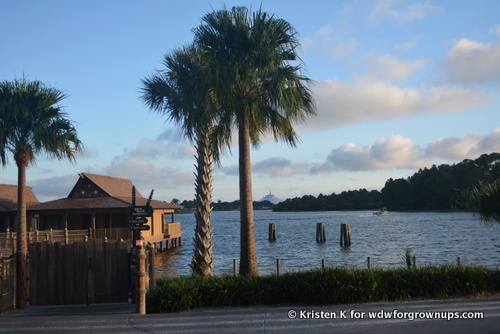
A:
[(322, 287)]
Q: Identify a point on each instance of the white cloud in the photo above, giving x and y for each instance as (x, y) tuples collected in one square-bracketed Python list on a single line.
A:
[(400, 12), (168, 144), (341, 103), (495, 30), (343, 49), (388, 65), (275, 166), (332, 43), (473, 62), (53, 187), (470, 146), (279, 167), (449, 99), (408, 45), (399, 152), (147, 176), (392, 152)]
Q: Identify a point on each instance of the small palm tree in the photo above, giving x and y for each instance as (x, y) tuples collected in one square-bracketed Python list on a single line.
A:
[(179, 93), (32, 122), (256, 84), (484, 199)]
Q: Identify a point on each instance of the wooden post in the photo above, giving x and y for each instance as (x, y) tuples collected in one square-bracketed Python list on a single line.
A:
[(320, 232), (278, 267), (414, 261), (92, 220), (66, 236), (140, 299), (272, 232), (323, 264), (13, 243), (368, 263), (234, 266), (345, 235)]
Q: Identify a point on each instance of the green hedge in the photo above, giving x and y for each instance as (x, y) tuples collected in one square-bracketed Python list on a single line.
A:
[(322, 287)]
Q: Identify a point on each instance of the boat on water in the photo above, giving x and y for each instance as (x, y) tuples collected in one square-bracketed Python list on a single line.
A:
[(382, 212)]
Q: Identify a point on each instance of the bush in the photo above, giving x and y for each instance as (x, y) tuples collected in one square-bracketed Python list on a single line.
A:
[(322, 287)]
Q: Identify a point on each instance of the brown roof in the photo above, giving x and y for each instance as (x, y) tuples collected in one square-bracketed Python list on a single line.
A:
[(8, 197), (111, 186), (93, 191), (98, 203)]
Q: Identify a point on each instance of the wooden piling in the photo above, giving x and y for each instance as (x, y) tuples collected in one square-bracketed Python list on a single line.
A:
[(272, 232), (345, 235), (323, 264), (368, 262), (234, 266), (278, 267), (320, 232), (414, 261)]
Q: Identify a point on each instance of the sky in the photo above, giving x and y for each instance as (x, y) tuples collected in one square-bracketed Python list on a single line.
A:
[(399, 85)]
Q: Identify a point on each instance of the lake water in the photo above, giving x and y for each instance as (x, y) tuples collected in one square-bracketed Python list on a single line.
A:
[(434, 238)]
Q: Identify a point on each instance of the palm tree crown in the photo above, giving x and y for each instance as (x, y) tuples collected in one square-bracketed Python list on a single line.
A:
[(32, 122)]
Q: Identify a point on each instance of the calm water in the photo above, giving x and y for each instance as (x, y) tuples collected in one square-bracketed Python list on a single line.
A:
[(434, 238)]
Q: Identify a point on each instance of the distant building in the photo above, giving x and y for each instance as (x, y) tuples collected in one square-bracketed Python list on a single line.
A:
[(271, 198)]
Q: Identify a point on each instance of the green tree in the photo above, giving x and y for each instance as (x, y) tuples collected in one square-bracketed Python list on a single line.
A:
[(179, 93), (32, 122), (256, 81)]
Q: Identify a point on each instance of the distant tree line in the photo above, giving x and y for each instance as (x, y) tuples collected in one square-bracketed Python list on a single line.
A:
[(229, 206), (361, 199), (437, 188)]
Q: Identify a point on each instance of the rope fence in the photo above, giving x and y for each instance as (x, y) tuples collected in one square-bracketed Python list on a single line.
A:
[(279, 266)]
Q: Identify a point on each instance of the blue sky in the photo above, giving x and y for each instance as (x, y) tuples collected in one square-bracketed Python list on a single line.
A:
[(400, 85)]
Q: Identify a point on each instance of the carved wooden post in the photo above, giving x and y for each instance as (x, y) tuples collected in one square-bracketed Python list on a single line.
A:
[(140, 300)]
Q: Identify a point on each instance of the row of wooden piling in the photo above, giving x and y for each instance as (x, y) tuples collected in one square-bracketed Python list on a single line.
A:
[(345, 233)]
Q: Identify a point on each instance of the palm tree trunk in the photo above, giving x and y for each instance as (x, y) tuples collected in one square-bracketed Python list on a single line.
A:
[(248, 252), (22, 240), (202, 259)]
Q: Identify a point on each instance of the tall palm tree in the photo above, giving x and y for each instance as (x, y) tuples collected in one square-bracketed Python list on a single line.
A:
[(178, 92), (32, 122), (255, 79)]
